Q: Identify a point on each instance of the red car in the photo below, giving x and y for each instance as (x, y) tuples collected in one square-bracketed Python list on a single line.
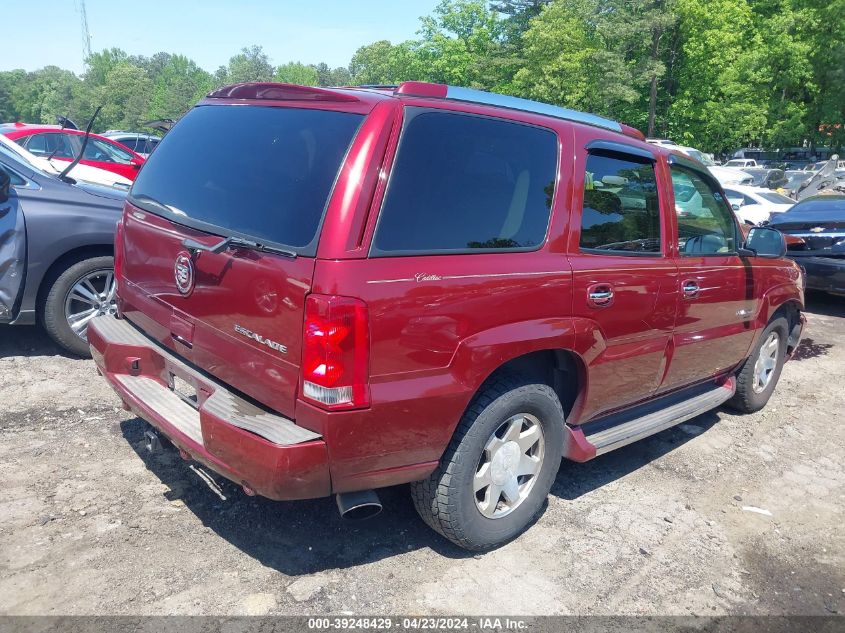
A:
[(357, 288), (64, 144)]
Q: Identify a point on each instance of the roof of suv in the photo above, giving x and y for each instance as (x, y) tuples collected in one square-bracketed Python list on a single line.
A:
[(373, 94)]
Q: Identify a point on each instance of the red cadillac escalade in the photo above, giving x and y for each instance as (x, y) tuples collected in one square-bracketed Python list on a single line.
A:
[(329, 291)]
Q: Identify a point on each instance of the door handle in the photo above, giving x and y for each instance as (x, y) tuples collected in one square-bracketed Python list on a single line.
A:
[(600, 295), (690, 289)]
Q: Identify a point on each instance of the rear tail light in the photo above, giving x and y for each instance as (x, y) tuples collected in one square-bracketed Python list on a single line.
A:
[(336, 349)]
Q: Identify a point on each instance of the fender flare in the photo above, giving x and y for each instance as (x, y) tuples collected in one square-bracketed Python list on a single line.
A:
[(775, 298), (479, 355)]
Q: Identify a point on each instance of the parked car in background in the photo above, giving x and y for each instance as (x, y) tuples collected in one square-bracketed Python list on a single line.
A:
[(766, 177), (813, 167), (701, 157), (794, 179), (818, 225), (66, 276), (662, 142), (754, 205), (739, 163), (730, 175), (431, 285), (140, 143), (81, 173), (840, 164), (829, 178), (64, 144)]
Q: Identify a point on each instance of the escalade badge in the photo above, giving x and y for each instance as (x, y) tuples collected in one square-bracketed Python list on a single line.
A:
[(183, 272), (260, 339)]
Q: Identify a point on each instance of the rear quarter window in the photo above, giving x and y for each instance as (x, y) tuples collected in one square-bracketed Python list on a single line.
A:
[(466, 183)]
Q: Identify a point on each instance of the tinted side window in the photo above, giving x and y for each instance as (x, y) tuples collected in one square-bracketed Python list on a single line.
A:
[(706, 222), (105, 152), (621, 212), (37, 144), (131, 143), (23, 141), (465, 183)]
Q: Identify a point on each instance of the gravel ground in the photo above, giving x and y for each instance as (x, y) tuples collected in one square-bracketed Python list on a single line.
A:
[(725, 514)]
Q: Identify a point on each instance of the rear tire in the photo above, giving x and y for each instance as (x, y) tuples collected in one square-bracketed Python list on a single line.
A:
[(756, 380), (478, 497), (56, 308)]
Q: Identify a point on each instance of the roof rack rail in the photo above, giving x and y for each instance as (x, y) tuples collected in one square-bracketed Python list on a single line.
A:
[(443, 91)]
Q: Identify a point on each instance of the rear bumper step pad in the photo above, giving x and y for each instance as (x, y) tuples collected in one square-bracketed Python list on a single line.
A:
[(263, 451), (222, 403)]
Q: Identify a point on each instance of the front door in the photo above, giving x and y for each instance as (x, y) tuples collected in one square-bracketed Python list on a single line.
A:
[(625, 281), (716, 304)]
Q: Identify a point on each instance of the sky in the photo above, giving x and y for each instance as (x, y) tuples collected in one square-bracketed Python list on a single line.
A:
[(210, 31)]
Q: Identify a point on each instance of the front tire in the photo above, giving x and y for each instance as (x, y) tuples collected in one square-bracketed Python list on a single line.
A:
[(496, 473), (756, 380), (80, 293)]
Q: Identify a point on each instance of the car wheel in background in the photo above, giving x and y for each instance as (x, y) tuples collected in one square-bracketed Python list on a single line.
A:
[(83, 291)]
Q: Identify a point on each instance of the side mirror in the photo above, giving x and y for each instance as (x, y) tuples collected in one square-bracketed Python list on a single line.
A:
[(5, 184), (136, 162), (766, 242), (735, 206)]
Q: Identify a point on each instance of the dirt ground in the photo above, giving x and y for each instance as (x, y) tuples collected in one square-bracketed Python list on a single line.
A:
[(725, 514)]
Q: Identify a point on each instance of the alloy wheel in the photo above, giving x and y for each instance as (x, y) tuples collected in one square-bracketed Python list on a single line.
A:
[(92, 295), (767, 360), (509, 466)]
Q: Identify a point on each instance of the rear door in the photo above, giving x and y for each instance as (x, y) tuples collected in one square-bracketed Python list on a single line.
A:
[(625, 281), (716, 298), (237, 313)]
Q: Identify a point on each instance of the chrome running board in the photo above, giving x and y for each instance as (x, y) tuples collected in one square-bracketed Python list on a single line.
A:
[(618, 435)]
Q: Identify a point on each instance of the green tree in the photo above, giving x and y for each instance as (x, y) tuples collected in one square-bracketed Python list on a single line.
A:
[(251, 64), (125, 96), (561, 49), (297, 73), (101, 63), (460, 45), (383, 63), (179, 83), (720, 99)]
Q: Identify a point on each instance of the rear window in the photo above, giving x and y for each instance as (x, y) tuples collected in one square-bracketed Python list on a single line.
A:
[(465, 183), (260, 172)]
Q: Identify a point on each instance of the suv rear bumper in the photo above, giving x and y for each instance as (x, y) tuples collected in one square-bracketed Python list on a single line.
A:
[(264, 452)]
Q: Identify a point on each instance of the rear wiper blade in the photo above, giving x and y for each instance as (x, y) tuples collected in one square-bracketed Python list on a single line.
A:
[(235, 242)]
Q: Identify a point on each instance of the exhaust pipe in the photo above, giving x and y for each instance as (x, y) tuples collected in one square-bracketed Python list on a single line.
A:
[(357, 506)]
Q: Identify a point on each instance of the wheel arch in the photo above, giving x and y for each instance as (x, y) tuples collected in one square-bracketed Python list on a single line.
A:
[(63, 262)]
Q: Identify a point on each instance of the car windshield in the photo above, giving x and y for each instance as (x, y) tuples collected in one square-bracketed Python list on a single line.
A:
[(267, 178), (776, 198), (758, 176), (794, 178)]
